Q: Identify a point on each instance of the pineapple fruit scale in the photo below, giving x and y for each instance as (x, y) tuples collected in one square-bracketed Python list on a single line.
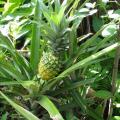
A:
[(49, 66)]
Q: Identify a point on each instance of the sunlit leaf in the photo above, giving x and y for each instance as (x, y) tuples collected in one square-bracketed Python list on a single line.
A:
[(116, 118), (45, 102), (109, 30), (35, 43)]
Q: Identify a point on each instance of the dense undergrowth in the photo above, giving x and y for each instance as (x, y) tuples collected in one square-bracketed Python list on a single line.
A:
[(59, 59)]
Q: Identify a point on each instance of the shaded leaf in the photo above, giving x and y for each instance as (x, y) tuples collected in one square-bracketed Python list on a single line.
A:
[(103, 94), (27, 114), (97, 23)]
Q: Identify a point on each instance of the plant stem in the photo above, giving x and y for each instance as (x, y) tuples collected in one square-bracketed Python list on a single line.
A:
[(114, 77)]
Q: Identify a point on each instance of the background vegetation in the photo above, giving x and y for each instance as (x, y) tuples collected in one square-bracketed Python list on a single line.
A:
[(88, 84)]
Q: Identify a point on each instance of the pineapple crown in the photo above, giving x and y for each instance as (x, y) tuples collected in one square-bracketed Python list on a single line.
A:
[(58, 21), (56, 30)]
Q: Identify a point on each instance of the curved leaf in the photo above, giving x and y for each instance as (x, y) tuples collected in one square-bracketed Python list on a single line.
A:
[(28, 115), (50, 107)]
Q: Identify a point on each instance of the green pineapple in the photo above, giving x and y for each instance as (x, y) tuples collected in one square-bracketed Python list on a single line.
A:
[(55, 33), (49, 66)]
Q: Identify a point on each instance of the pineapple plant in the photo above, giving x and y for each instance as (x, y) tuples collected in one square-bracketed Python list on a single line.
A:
[(55, 32)]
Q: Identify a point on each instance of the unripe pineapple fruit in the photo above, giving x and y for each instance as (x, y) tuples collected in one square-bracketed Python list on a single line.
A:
[(49, 66), (56, 32)]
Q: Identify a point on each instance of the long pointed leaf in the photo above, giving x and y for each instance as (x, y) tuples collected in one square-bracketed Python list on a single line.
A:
[(50, 107), (88, 59), (28, 115), (79, 65), (35, 43)]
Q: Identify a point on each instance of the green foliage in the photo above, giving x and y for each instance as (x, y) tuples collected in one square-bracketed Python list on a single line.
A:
[(97, 23), (89, 33), (50, 107), (110, 30), (4, 116), (103, 94), (11, 5), (28, 115), (116, 118), (35, 44)]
